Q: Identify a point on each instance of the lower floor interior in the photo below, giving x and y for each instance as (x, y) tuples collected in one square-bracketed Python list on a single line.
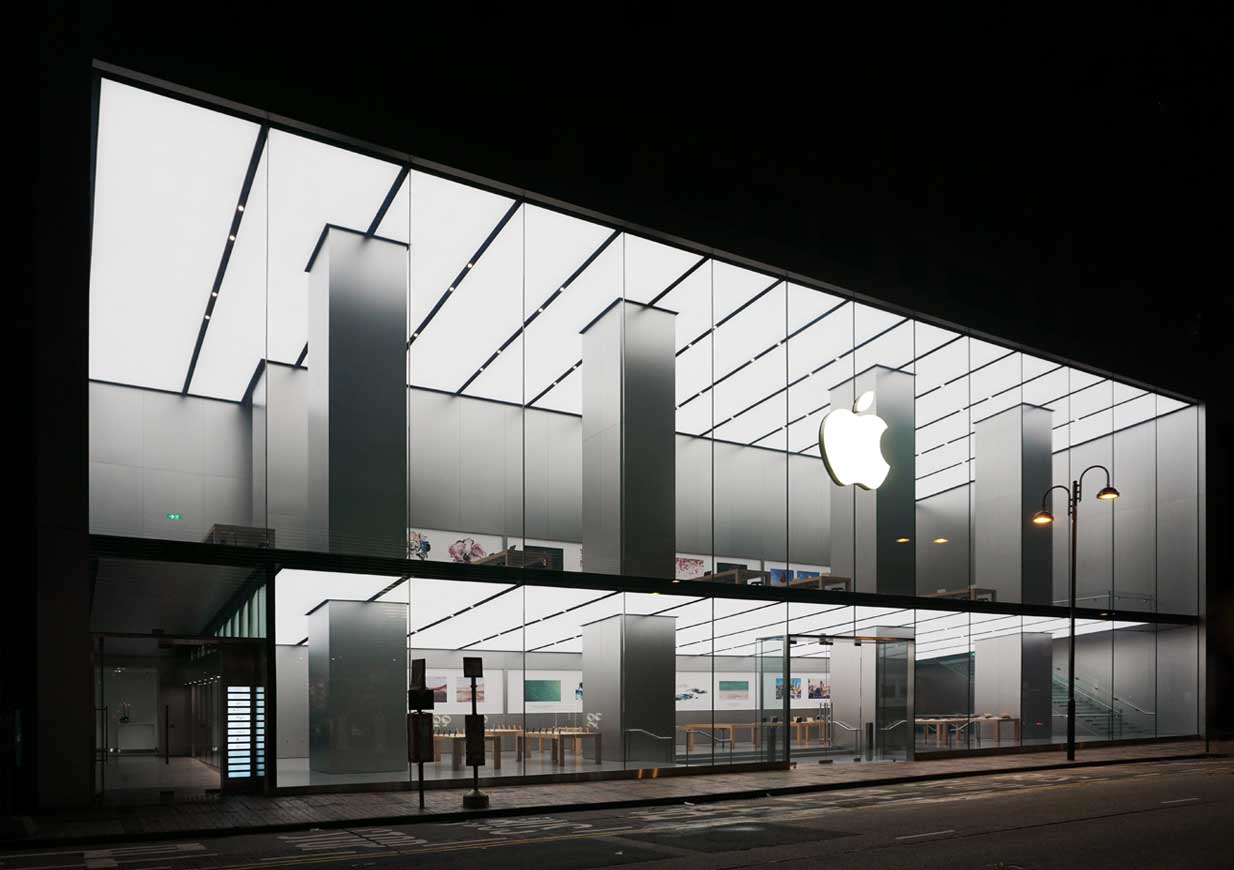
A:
[(577, 682)]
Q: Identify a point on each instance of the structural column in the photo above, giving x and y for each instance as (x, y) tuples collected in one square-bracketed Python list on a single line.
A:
[(1011, 557), (872, 530), (629, 455), (357, 394)]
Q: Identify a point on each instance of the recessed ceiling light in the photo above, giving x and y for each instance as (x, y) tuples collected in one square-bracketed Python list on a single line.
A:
[(941, 540), (469, 265), (214, 293), (231, 238), (903, 540), (449, 289), (207, 317), (240, 207)]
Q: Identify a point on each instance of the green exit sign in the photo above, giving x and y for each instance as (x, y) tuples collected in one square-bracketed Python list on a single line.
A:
[(174, 517)]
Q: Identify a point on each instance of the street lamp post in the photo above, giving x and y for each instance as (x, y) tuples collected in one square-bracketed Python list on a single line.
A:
[(1043, 517)]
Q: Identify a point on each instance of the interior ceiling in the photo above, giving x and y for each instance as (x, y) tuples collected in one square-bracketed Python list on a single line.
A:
[(499, 290), (479, 617), (133, 596)]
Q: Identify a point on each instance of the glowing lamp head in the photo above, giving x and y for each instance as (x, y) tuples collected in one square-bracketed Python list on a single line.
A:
[(1043, 518), (1108, 494)]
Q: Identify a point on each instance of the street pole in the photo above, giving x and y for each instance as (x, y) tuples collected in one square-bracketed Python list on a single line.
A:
[(1073, 508)]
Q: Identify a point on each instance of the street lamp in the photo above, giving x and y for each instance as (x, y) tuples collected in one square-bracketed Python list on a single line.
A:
[(1043, 517)]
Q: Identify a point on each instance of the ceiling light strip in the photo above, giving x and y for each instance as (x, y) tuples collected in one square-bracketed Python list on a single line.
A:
[(467, 268), (463, 610), (233, 231), (790, 337), (552, 297), (669, 289), (852, 350), (389, 200), (740, 308), (541, 619)]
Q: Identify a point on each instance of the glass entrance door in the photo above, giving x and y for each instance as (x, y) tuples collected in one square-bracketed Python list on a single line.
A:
[(772, 712), (893, 691)]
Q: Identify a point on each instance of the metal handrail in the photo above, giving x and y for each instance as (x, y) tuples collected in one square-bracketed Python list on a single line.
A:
[(895, 724), (672, 748), (710, 736), (843, 724)]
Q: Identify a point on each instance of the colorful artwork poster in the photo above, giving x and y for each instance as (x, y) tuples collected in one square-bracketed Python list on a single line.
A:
[(418, 546), (690, 690), (578, 692), (439, 683), (733, 690), (808, 574), (794, 688), (462, 690), (542, 691), (780, 576), (466, 550), (818, 688), (689, 569)]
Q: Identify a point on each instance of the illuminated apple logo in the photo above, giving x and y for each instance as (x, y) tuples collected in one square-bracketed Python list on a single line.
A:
[(850, 445)]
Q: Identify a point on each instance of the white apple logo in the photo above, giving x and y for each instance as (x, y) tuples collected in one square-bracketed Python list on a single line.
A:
[(850, 444)]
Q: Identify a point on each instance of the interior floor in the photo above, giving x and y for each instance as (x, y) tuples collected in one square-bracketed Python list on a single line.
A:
[(153, 772)]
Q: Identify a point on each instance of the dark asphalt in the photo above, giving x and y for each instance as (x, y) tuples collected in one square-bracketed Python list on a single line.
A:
[(1162, 814)]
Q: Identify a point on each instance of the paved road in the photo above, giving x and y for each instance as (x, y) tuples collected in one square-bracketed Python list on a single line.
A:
[(1163, 814)]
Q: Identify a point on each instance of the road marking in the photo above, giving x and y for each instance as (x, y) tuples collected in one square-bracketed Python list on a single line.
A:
[(1180, 800), (930, 834)]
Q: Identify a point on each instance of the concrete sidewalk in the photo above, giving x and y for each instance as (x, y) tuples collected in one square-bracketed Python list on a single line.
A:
[(252, 814)]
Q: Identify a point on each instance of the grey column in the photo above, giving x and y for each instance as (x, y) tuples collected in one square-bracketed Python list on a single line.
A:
[(357, 669), (865, 524), (629, 455), (629, 679), (1010, 555), (1012, 677), (357, 394)]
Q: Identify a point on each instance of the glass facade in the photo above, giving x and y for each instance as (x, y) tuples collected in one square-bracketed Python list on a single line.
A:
[(509, 407)]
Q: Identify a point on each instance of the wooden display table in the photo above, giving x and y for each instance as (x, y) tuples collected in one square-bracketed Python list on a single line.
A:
[(557, 743), (825, 582), (458, 747), (944, 725)]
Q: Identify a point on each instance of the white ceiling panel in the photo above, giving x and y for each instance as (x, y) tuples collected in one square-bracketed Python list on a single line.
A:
[(691, 299), (694, 370), (449, 222), (311, 184), (477, 318), (650, 267), (893, 349), (821, 344), (168, 178), (298, 592), (806, 305), (734, 286), (752, 330), (556, 245)]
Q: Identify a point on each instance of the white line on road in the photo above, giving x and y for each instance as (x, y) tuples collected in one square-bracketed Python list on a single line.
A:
[(1180, 800), (930, 834)]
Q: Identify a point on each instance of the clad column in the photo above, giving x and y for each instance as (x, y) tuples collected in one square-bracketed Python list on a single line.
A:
[(629, 455), (872, 530), (357, 393)]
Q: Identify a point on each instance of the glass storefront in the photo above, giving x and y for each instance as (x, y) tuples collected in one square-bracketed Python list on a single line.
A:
[(488, 410)]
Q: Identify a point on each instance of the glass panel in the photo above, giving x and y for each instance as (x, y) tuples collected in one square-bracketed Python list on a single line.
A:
[(341, 667), (774, 697), (466, 373)]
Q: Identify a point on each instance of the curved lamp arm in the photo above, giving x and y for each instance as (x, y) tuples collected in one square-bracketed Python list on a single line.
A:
[(1046, 497), (1080, 482)]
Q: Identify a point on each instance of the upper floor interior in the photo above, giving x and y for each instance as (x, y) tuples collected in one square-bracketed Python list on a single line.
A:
[(306, 345)]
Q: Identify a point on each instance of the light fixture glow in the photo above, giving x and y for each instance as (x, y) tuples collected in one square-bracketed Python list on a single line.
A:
[(1108, 494), (941, 540), (903, 540), (1043, 518)]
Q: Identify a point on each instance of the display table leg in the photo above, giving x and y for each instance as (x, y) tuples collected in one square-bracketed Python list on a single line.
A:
[(599, 757), (497, 752), (456, 753)]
